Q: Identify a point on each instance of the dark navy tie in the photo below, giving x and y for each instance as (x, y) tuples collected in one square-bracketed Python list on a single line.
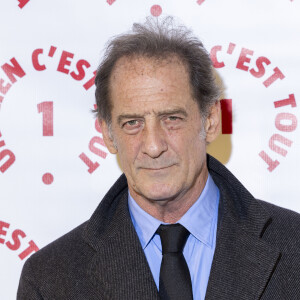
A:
[(174, 279)]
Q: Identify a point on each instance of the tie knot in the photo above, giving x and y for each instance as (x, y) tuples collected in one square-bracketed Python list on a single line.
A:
[(173, 238)]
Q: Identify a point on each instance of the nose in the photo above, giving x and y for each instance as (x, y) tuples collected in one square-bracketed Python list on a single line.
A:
[(154, 140)]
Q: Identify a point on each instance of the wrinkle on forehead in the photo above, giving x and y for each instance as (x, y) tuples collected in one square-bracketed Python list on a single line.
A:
[(155, 112)]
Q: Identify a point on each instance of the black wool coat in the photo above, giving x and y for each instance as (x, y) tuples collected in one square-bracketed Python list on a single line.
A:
[(257, 253)]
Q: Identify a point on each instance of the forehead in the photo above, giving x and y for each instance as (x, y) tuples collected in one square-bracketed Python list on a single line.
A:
[(144, 65), (157, 80)]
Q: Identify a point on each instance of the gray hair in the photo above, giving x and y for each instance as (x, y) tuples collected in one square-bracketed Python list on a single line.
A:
[(159, 39)]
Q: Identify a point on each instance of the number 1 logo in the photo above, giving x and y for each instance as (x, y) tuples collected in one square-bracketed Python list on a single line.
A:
[(46, 108)]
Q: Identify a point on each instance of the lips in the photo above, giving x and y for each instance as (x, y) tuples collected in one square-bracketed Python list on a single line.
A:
[(159, 168), (155, 165)]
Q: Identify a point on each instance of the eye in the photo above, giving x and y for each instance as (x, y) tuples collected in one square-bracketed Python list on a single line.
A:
[(173, 118), (173, 121), (131, 123), (132, 126)]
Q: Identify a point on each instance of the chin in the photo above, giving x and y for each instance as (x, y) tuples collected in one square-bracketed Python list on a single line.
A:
[(159, 192)]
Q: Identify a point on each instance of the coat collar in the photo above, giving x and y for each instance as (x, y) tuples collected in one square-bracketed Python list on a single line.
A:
[(119, 267), (243, 262)]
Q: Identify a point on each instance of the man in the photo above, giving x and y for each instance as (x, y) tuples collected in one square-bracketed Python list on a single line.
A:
[(158, 108)]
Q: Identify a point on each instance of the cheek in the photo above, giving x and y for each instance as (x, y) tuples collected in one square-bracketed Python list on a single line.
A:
[(184, 141), (128, 149), (192, 150)]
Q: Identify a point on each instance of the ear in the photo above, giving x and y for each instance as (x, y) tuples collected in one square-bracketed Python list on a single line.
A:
[(213, 122), (107, 137)]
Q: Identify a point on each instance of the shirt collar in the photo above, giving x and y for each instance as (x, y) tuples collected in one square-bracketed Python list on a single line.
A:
[(144, 224), (199, 219)]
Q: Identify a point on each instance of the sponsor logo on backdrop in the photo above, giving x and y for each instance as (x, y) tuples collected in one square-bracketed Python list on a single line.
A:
[(268, 75), (14, 71), (16, 240)]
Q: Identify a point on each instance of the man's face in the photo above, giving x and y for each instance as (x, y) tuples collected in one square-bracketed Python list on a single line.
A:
[(156, 129)]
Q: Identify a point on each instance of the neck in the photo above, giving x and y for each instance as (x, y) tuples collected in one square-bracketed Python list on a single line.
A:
[(171, 210)]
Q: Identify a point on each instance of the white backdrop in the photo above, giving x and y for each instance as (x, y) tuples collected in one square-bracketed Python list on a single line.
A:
[(54, 169)]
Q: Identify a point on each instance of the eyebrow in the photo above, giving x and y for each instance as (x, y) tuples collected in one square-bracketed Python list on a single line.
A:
[(167, 112)]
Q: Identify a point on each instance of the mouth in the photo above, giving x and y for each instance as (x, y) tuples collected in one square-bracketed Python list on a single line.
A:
[(157, 169)]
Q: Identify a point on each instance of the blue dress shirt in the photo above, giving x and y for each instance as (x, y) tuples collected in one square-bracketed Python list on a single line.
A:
[(200, 220)]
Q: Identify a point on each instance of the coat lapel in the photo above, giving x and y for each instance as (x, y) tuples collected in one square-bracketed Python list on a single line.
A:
[(242, 265), (243, 262), (119, 268)]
